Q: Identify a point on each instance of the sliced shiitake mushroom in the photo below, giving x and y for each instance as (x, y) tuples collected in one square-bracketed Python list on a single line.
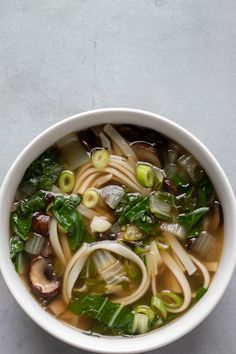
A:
[(89, 139), (44, 281), (146, 152), (40, 223)]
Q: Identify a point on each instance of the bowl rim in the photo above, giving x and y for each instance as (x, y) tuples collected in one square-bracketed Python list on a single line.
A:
[(154, 339)]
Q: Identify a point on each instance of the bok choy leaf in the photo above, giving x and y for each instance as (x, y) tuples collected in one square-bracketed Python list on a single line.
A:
[(42, 173), (134, 208), (64, 210), (115, 316)]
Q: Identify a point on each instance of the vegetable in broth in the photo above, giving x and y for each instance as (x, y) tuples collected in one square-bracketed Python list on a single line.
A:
[(117, 230)]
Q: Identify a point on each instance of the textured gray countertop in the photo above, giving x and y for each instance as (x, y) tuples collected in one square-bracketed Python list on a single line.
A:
[(173, 57)]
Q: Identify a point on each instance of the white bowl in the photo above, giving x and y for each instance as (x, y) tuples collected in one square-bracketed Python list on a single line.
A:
[(192, 317)]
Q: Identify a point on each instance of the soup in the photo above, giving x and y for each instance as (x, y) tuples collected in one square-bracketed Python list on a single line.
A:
[(116, 230)]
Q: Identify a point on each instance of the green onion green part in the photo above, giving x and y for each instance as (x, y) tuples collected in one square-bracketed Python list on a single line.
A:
[(90, 198), (100, 158), (66, 181), (145, 175)]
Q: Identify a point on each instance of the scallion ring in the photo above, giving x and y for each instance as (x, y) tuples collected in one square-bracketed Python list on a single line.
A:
[(146, 310), (100, 158), (159, 307), (66, 181), (145, 175), (90, 198), (170, 299)]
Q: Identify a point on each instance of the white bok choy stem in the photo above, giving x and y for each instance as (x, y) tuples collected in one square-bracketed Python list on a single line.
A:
[(203, 269), (54, 239), (180, 252), (179, 275), (109, 267), (77, 262)]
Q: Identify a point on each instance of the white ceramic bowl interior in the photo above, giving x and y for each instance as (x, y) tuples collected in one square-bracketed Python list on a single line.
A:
[(186, 322)]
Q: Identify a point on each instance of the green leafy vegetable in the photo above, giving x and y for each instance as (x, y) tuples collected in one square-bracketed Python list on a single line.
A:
[(32, 204), (200, 293), (98, 307), (189, 220), (134, 208), (16, 246), (21, 225), (42, 173), (64, 210)]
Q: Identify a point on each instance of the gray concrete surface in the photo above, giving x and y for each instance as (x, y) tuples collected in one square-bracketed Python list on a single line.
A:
[(173, 57)]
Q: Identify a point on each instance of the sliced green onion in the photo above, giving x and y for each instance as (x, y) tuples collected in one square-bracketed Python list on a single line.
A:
[(159, 307), (145, 175), (34, 245), (157, 322), (170, 298), (146, 310), (140, 323), (100, 158), (90, 198), (66, 181)]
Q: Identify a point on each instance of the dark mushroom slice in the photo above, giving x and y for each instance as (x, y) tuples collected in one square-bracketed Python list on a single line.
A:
[(107, 236), (146, 152), (40, 223), (44, 281), (89, 139)]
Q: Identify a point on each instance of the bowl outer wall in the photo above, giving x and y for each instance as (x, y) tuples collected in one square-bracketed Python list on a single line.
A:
[(185, 323)]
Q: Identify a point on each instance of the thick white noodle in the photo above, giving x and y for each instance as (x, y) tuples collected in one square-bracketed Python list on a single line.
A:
[(203, 269), (63, 239), (77, 262), (179, 275), (54, 239), (120, 141), (88, 213), (180, 252), (100, 181)]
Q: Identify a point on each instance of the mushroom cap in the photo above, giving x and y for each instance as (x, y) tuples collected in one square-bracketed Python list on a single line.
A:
[(43, 280), (146, 152), (40, 223)]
